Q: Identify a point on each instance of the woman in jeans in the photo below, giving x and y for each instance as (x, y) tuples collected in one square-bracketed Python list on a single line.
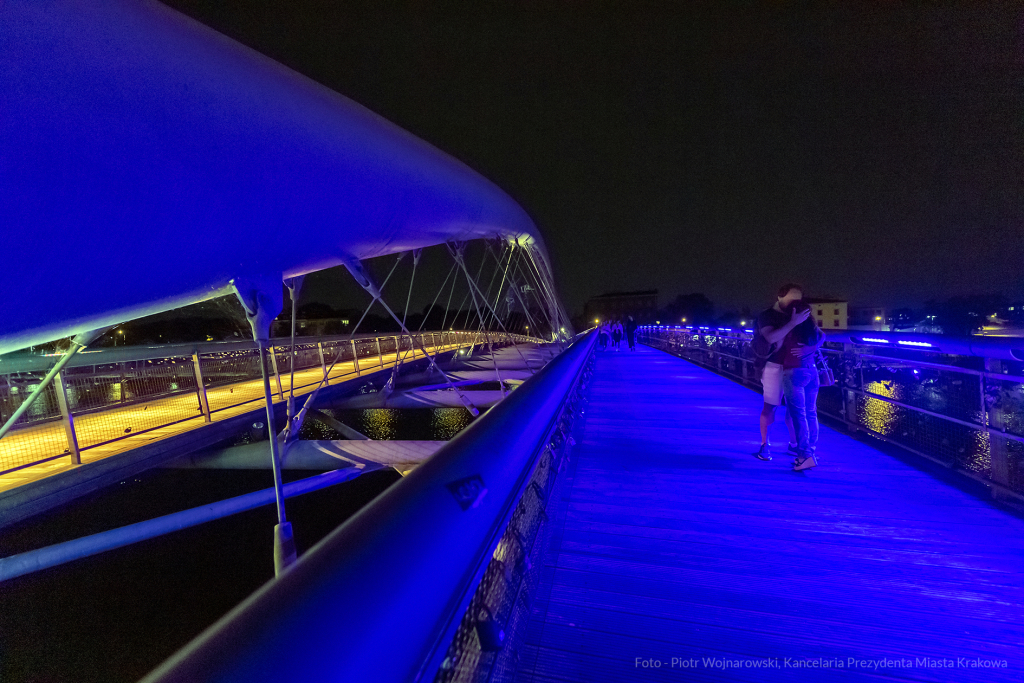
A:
[(800, 386)]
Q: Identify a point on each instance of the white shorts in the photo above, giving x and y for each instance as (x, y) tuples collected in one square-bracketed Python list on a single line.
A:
[(771, 381)]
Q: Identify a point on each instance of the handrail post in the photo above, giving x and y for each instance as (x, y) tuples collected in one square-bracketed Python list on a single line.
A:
[(67, 419), (849, 395), (380, 356), (355, 357), (323, 363), (995, 424), (277, 374), (204, 402)]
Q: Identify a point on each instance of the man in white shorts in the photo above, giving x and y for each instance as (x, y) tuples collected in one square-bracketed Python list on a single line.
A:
[(774, 324)]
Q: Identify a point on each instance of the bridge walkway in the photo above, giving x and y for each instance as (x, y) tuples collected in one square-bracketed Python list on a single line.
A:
[(674, 542), (226, 401)]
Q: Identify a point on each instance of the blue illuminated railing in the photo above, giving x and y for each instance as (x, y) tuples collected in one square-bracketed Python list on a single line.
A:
[(431, 581), (956, 401)]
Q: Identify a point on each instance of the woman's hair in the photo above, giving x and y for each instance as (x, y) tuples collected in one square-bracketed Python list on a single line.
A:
[(788, 287), (807, 331)]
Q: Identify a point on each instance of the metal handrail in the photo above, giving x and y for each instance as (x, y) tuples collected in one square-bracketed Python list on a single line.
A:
[(1002, 348), (993, 416), (25, 362), (373, 599)]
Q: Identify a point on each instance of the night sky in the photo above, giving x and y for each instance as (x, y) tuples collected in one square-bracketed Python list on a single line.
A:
[(872, 151)]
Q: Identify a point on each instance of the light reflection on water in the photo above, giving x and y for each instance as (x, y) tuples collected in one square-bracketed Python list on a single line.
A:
[(391, 424), (379, 423), (967, 446), (879, 415), (447, 422)]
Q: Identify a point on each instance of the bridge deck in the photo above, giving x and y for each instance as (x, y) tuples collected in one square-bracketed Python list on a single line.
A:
[(134, 421), (676, 542)]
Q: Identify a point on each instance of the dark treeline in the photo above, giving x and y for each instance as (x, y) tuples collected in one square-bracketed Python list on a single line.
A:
[(224, 320)]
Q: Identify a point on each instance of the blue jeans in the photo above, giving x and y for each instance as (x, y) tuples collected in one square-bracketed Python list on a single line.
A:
[(800, 386)]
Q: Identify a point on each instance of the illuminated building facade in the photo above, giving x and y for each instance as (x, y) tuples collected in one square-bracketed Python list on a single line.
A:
[(831, 314)]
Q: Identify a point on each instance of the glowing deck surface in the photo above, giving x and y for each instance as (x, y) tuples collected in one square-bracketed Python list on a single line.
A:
[(674, 542), (223, 405)]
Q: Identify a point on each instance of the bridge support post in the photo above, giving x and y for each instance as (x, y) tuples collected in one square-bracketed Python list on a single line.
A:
[(323, 363), (263, 301), (204, 402), (996, 424), (284, 542), (69, 422)]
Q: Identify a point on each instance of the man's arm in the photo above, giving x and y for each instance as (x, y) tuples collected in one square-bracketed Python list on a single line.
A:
[(775, 336), (801, 350)]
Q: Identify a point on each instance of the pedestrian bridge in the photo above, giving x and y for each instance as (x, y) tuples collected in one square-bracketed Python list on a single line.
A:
[(604, 521)]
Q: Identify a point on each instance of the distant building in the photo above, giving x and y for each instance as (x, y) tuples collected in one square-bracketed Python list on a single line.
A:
[(310, 328), (643, 306), (831, 314), (869, 318)]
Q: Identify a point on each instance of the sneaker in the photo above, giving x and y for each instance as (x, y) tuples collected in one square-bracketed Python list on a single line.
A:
[(805, 463), (763, 453), (794, 449)]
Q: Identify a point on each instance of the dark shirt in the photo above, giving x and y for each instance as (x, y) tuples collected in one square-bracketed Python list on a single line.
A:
[(774, 319)]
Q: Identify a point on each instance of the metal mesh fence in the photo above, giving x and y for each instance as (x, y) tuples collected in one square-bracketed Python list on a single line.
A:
[(950, 408), (491, 633), (113, 401), (38, 435), (232, 377)]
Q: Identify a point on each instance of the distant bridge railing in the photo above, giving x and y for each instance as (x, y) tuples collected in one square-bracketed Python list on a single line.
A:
[(433, 580), (956, 401), (151, 387)]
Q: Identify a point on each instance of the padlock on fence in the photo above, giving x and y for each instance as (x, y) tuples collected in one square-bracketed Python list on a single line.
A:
[(492, 636)]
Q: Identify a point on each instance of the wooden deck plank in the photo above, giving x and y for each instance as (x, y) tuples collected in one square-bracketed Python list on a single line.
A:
[(676, 542)]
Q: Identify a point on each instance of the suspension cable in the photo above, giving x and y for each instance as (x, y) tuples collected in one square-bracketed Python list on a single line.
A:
[(399, 357), (301, 416), (487, 337), (444, 320), (514, 288), (461, 262)]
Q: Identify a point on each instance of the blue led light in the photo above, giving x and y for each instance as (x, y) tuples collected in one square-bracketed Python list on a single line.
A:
[(875, 340), (913, 343)]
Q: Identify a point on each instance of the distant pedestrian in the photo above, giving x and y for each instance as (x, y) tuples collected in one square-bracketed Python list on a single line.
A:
[(631, 332), (604, 331), (800, 385), (617, 335)]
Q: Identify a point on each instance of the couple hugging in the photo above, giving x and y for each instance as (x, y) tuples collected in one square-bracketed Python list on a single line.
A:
[(786, 341)]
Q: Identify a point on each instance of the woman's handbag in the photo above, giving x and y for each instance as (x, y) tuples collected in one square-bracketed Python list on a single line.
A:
[(826, 378)]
